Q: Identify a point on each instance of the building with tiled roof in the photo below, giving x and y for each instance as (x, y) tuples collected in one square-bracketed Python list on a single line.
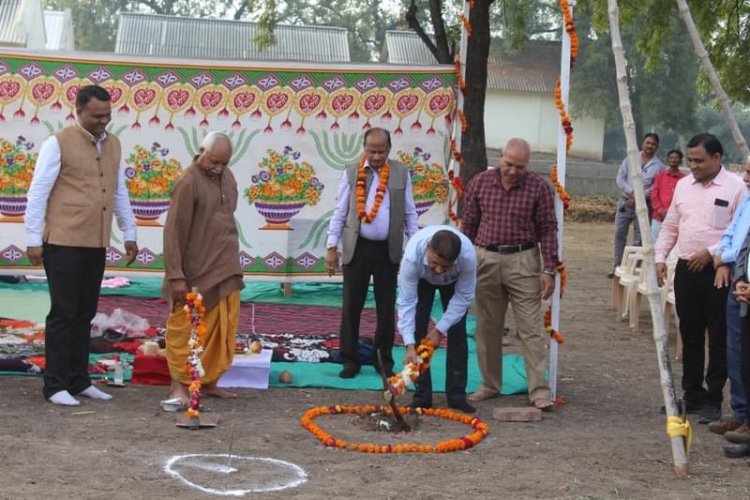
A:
[(520, 98)]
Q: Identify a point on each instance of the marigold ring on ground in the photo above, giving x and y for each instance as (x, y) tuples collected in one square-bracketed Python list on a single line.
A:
[(456, 444)]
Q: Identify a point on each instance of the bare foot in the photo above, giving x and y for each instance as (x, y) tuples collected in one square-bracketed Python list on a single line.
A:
[(179, 391), (481, 395), (212, 391), (543, 404)]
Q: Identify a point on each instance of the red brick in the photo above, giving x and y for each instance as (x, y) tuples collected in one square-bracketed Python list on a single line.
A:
[(516, 414)]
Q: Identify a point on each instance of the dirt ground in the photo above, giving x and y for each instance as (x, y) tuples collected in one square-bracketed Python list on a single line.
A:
[(608, 441)]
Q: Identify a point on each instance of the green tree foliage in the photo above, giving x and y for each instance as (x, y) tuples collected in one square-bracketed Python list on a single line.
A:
[(663, 89), (724, 26), (366, 21)]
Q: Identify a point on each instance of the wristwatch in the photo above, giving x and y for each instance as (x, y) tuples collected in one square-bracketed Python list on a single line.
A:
[(550, 272)]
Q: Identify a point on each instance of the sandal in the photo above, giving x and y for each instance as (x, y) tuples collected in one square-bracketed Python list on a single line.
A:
[(173, 405)]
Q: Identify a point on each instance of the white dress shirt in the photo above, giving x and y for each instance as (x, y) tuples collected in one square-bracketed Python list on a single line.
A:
[(45, 175), (377, 230)]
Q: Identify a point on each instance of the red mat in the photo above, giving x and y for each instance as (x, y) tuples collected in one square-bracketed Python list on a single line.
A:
[(269, 318)]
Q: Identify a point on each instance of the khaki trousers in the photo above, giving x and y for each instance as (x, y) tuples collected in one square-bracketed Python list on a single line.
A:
[(514, 278)]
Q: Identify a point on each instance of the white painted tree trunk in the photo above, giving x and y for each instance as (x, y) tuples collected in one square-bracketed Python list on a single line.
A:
[(657, 313), (713, 77)]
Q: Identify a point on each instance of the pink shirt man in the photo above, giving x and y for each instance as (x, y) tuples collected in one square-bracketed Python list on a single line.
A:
[(699, 214)]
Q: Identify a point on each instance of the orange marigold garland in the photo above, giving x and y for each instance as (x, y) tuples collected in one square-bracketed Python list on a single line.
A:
[(571, 29), (411, 371), (467, 25), (564, 196), (459, 77), (462, 119), (563, 277), (379, 193), (458, 186), (195, 312), (564, 116), (559, 337), (461, 443)]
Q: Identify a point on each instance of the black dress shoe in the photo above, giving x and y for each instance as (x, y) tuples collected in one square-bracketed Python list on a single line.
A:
[(709, 414), (737, 450), (690, 407), (349, 371), (463, 406)]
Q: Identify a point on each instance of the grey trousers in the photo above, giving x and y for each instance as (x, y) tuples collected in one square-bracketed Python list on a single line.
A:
[(623, 218)]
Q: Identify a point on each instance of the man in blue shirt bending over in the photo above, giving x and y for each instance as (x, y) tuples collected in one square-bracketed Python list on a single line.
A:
[(438, 258)]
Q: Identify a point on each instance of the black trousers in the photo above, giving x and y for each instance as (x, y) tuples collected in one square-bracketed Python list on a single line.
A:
[(370, 259), (700, 306), (457, 353), (74, 276)]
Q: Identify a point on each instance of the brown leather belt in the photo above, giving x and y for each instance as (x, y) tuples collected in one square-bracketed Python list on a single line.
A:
[(510, 248)]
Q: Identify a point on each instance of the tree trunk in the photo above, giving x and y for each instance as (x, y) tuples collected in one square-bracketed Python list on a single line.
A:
[(657, 314), (473, 146), (713, 77)]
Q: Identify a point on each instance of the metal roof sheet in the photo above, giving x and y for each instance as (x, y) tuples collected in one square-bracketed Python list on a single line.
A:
[(533, 68), (11, 32), (405, 47), (58, 24), (184, 37)]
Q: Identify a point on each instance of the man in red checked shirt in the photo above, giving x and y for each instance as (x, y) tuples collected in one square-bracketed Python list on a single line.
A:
[(509, 214), (663, 190)]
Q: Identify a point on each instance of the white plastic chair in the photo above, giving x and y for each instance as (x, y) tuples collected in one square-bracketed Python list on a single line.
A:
[(616, 299)]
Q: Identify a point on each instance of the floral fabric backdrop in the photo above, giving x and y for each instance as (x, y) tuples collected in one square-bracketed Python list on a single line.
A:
[(294, 130)]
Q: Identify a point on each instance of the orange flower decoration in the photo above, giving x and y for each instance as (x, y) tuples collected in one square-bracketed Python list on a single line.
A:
[(379, 194), (461, 443), (561, 192), (411, 371), (195, 312), (571, 29), (564, 116), (459, 77), (458, 186), (462, 118), (467, 25)]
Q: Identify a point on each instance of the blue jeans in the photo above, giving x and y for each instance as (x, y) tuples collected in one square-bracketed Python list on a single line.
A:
[(655, 228), (737, 399)]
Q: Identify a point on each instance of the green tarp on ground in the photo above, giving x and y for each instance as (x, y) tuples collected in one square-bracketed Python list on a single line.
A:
[(31, 301)]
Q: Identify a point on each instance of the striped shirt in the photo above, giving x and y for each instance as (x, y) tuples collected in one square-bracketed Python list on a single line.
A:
[(524, 213)]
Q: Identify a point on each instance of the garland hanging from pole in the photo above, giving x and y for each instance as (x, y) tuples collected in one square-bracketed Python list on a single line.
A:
[(455, 180)]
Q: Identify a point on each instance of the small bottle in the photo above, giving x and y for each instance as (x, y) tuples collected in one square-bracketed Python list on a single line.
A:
[(118, 372)]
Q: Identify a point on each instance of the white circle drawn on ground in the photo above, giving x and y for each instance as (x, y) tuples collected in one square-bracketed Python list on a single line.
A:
[(235, 475)]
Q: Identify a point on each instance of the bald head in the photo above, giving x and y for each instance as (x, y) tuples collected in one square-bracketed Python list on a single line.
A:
[(518, 146), (377, 145), (513, 162)]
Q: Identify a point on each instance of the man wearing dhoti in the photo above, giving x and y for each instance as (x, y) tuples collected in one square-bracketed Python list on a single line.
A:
[(201, 250)]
